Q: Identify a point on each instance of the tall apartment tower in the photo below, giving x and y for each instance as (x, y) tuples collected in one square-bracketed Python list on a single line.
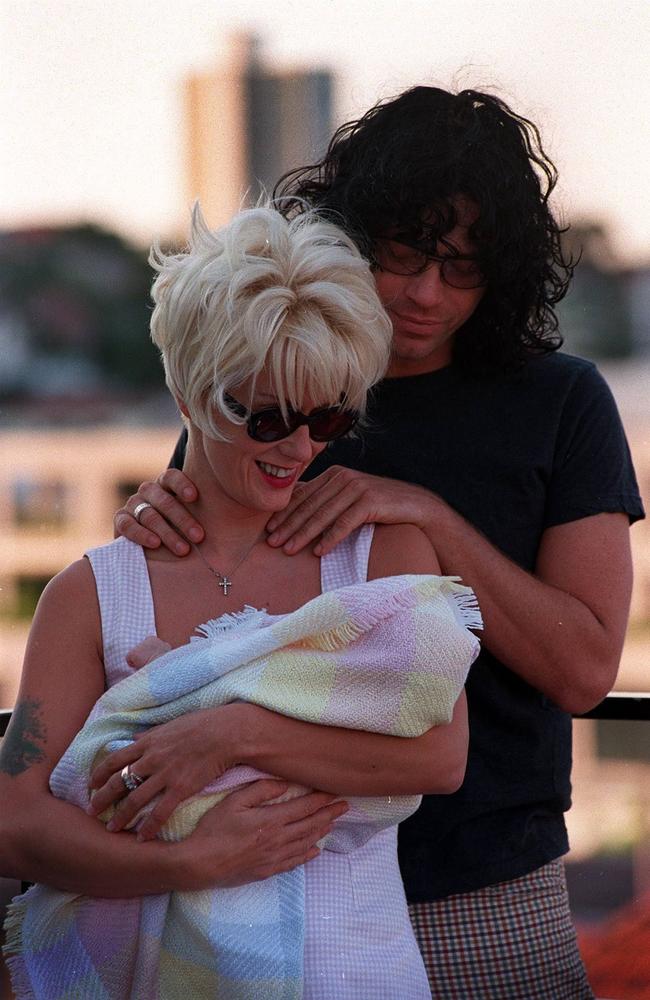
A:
[(247, 126)]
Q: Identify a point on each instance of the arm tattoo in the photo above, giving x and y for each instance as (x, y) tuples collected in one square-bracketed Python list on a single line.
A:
[(23, 744)]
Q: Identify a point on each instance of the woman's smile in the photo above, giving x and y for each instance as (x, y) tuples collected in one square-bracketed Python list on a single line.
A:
[(277, 476)]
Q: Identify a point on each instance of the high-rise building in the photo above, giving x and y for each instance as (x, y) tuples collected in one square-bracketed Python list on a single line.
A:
[(247, 125)]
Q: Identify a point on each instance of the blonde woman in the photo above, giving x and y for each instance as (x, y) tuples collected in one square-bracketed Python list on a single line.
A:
[(271, 334)]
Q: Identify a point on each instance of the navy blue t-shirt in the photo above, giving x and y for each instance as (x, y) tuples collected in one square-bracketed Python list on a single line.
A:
[(514, 455)]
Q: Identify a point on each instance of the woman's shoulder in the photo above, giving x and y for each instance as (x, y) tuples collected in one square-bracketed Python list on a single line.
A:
[(401, 548), (69, 602), (73, 583)]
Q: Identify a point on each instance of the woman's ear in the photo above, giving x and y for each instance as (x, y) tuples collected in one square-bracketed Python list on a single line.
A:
[(182, 407)]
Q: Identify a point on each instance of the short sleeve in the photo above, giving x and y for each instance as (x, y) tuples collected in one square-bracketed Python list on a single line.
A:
[(592, 468)]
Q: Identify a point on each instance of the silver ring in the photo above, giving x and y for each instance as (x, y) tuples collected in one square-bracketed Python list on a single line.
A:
[(138, 510), (130, 779)]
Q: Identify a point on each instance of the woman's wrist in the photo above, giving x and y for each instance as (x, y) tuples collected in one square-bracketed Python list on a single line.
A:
[(186, 868), (255, 724), (236, 727)]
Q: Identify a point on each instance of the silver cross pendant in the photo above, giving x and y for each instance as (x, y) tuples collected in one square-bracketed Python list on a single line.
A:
[(224, 583)]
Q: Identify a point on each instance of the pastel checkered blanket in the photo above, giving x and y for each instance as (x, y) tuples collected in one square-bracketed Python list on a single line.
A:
[(390, 656)]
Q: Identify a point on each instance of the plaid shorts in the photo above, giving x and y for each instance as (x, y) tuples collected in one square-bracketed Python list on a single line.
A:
[(510, 941)]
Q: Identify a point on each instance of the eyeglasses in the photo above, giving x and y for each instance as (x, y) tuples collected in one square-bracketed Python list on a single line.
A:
[(456, 270), (325, 424)]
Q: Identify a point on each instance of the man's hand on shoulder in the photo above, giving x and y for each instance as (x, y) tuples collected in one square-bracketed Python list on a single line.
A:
[(338, 501), (165, 520)]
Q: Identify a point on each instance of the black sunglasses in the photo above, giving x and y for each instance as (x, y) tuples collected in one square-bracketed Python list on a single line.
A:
[(326, 424), (456, 270)]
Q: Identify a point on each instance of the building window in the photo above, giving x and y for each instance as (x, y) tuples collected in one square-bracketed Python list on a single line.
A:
[(620, 739), (39, 503)]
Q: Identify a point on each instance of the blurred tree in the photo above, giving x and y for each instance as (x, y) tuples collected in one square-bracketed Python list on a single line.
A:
[(75, 307)]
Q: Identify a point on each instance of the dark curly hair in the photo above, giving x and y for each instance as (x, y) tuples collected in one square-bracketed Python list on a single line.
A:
[(398, 170)]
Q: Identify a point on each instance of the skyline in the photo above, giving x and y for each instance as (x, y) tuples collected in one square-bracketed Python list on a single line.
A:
[(90, 95)]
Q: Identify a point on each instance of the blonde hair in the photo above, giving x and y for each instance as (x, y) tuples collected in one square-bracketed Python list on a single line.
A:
[(291, 297)]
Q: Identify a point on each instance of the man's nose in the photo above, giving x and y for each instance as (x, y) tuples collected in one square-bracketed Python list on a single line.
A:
[(426, 288)]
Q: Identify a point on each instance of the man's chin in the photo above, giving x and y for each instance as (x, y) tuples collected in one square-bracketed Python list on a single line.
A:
[(409, 356)]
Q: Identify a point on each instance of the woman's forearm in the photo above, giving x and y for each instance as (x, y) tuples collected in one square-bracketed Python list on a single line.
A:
[(247, 837), (351, 762), (51, 841)]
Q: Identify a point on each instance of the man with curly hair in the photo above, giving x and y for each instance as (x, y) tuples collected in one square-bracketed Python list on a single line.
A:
[(513, 460)]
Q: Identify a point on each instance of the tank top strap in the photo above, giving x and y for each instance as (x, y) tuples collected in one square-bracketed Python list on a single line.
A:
[(348, 562), (125, 602)]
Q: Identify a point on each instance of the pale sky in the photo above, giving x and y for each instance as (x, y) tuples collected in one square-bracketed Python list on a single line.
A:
[(90, 109)]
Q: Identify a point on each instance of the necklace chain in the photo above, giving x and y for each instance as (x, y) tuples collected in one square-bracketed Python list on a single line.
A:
[(223, 579)]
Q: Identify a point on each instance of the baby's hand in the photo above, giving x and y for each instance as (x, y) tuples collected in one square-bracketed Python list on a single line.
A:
[(149, 649)]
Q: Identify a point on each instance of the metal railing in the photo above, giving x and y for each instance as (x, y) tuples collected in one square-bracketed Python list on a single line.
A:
[(622, 705), (625, 705)]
